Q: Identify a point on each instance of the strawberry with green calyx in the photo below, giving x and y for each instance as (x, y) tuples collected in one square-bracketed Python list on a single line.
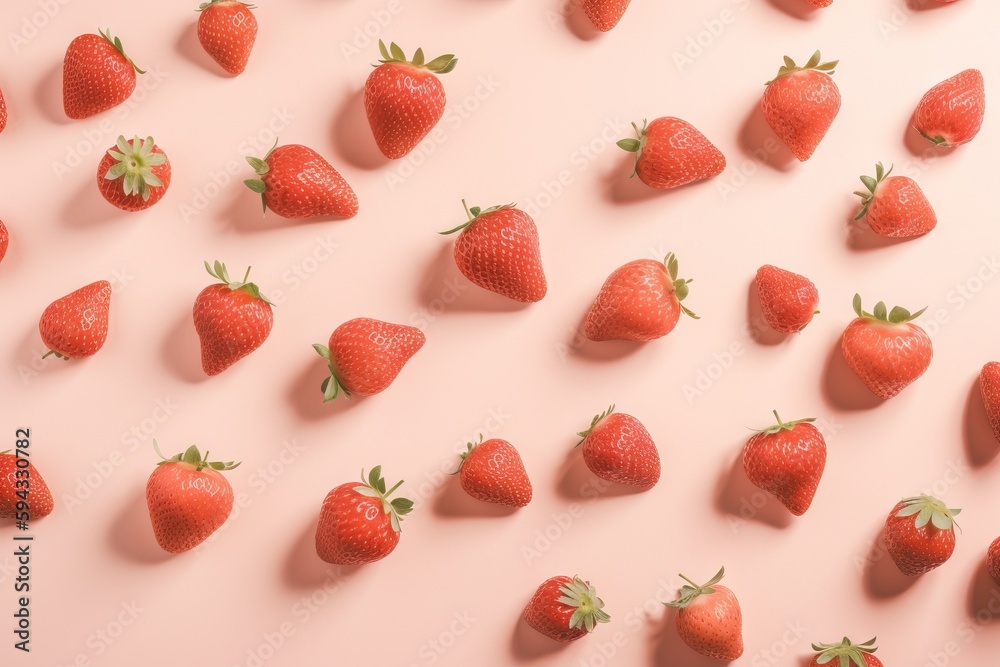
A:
[(565, 609), (296, 182), (134, 174), (670, 152), (493, 472), (227, 30), (800, 104), (919, 534), (787, 461), (846, 654), (709, 619), (618, 448), (97, 75), (895, 206)]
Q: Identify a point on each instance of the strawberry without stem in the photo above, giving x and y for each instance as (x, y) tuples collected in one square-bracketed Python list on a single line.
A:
[(619, 449), (788, 301), (22, 485), (134, 174), (787, 461), (493, 472), (3, 112), (670, 152), (800, 104), (989, 387), (846, 654), (605, 14), (951, 113), (895, 206), (709, 619), (4, 240), (919, 534), (76, 325), (296, 182), (97, 75), (565, 609), (993, 560), (227, 30)]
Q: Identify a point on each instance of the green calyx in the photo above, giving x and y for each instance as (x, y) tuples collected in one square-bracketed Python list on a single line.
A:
[(634, 145), (464, 455), (332, 386), (870, 184), (219, 271), (784, 426), (193, 457), (374, 487), (937, 140), (260, 167), (205, 5), (691, 591), (845, 653), (588, 609), (789, 67), (134, 165), (474, 213), (593, 423), (897, 315), (58, 355), (117, 44), (680, 285), (929, 509), (394, 54)]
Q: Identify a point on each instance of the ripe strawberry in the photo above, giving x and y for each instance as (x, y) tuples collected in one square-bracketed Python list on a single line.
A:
[(846, 654), (134, 174), (639, 301), (886, 351), (188, 499), (492, 471), (800, 104), (365, 355), (3, 112), (989, 387), (895, 206), (993, 560), (232, 318), (22, 485), (498, 250), (76, 325), (296, 182), (227, 30), (97, 75), (787, 461), (618, 448), (919, 534), (358, 523), (605, 14), (709, 619), (565, 609), (4, 240), (787, 300), (670, 152), (404, 99), (951, 113)]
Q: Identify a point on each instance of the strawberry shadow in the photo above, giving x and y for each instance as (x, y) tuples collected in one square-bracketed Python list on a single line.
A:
[(352, 135), (303, 568), (188, 46), (881, 578), (451, 501), (49, 95), (798, 9), (443, 288), (306, 396), (842, 388), (760, 331), (738, 497), (528, 645), (981, 446), (983, 596), (181, 350), (577, 21), (577, 482), (621, 187), (917, 145), (669, 650), (759, 142), (88, 209), (131, 533)]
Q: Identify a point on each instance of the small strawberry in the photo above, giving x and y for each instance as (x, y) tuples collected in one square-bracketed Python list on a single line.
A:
[(227, 30), (951, 113), (97, 75), (232, 318), (670, 152), (76, 325), (498, 250), (365, 355), (296, 182), (605, 14), (619, 449), (492, 471), (787, 300), (895, 206), (4, 240), (989, 387), (639, 301), (919, 534), (404, 99), (993, 560), (709, 619), (787, 461), (846, 654), (800, 104), (134, 174), (24, 485), (887, 351), (188, 499), (3, 112), (565, 609), (358, 523)]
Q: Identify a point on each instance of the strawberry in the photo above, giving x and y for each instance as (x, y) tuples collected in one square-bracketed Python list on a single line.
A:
[(404, 99), (993, 560), (800, 104), (188, 499), (989, 387), (227, 30), (76, 325), (3, 112), (134, 174), (22, 484), (492, 471), (895, 206), (565, 609), (846, 654), (787, 461), (296, 182), (605, 14), (358, 523), (951, 113), (365, 355), (97, 75), (498, 250), (919, 534), (4, 240), (670, 152), (639, 301), (887, 351), (619, 449), (709, 619), (232, 318), (787, 300)]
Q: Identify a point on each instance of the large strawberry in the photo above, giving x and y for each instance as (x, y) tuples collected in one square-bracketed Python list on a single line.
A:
[(4, 239), (296, 182), (787, 300), (493, 472), (951, 113), (188, 499), (993, 560), (76, 325), (670, 152), (895, 206), (498, 250), (605, 14), (709, 619), (24, 485), (404, 99), (800, 104), (639, 301), (846, 654), (358, 523), (989, 387), (232, 318), (618, 448), (365, 355), (919, 534), (97, 75), (3, 112), (134, 174), (565, 609), (227, 30), (787, 461), (886, 350)]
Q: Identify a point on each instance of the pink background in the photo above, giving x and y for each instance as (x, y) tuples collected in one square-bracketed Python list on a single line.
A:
[(534, 107)]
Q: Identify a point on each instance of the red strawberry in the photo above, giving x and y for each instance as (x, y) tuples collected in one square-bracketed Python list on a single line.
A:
[(709, 619), (76, 325), (670, 152), (492, 471), (498, 250), (919, 534), (565, 609), (97, 75), (605, 14), (3, 112), (993, 560), (618, 448), (895, 206), (358, 523), (639, 301), (227, 30), (22, 484), (820, 3), (989, 387), (787, 461), (800, 104), (787, 300), (365, 355), (232, 318), (188, 499), (846, 654), (134, 174), (951, 113), (4, 239), (296, 182), (404, 99), (886, 351)]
